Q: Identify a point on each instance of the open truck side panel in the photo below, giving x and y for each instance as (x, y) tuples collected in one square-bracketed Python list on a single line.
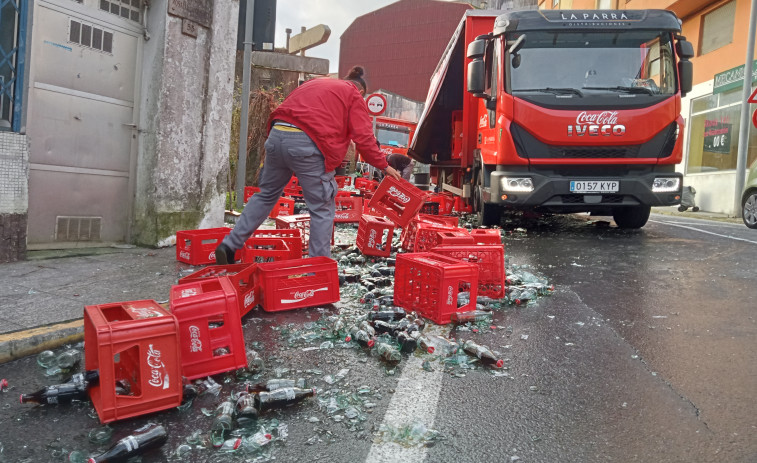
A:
[(559, 111)]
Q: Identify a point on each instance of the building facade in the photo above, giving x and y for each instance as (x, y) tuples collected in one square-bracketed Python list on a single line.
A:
[(718, 29)]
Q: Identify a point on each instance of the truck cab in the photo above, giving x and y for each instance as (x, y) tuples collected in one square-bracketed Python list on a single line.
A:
[(563, 111)]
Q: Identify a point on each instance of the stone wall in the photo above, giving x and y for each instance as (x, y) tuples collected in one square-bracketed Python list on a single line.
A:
[(14, 195)]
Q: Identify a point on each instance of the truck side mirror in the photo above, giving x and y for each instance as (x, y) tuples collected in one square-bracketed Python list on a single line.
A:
[(686, 74), (685, 50), (476, 49), (477, 78)]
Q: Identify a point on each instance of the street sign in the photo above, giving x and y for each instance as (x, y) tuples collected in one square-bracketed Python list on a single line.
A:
[(309, 38), (376, 104), (753, 99)]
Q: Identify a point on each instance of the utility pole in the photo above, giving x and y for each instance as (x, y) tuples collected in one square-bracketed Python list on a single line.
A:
[(745, 119), (244, 120)]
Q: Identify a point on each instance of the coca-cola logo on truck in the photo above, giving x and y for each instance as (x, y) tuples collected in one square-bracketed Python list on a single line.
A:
[(402, 197), (597, 123)]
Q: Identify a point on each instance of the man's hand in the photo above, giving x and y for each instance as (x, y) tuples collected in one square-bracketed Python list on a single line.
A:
[(392, 172)]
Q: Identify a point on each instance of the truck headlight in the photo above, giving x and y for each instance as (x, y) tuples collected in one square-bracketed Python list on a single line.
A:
[(666, 184), (523, 184)]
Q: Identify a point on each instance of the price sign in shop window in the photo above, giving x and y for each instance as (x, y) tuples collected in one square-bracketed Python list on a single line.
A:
[(717, 136)]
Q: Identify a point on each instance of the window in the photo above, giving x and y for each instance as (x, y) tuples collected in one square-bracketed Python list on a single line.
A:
[(127, 9), (90, 36), (717, 28), (605, 5), (714, 134)]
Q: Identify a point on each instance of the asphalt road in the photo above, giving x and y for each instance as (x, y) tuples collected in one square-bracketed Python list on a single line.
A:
[(645, 351)]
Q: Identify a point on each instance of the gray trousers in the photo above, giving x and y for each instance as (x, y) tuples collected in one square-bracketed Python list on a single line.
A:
[(287, 152)]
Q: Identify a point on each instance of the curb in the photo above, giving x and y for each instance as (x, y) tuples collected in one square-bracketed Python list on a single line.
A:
[(20, 344)]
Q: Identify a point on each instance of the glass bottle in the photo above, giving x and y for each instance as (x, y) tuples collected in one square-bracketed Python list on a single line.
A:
[(486, 356), (360, 336), (281, 398), (407, 343), (133, 445), (57, 394), (473, 316), (388, 353)]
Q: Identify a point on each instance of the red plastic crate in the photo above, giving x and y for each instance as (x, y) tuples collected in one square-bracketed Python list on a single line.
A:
[(486, 236), (445, 201), (366, 186), (397, 200), (198, 247), (490, 259), (136, 342), (430, 208), (461, 206), (420, 234), (242, 277), (456, 236), (430, 283), (343, 180), (348, 209), (267, 249), (210, 329), (374, 236), (292, 237), (284, 206), (249, 191), (299, 222), (293, 188), (293, 284)]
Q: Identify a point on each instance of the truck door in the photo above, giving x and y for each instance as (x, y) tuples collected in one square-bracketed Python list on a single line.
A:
[(487, 114)]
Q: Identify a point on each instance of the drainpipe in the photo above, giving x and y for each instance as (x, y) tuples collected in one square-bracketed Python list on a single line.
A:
[(244, 120)]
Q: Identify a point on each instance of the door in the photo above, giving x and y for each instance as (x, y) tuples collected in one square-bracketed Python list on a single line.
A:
[(82, 93)]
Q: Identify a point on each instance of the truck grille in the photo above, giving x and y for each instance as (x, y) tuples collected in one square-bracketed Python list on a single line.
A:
[(592, 152)]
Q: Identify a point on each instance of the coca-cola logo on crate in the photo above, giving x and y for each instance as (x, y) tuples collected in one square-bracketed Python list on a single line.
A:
[(185, 254), (449, 295), (300, 296), (402, 197), (249, 298), (195, 343), (372, 239), (158, 375)]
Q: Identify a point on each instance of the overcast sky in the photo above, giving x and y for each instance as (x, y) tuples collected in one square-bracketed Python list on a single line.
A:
[(337, 14)]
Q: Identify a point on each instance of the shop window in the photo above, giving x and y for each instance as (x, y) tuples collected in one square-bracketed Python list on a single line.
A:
[(127, 9), (717, 28), (714, 134)]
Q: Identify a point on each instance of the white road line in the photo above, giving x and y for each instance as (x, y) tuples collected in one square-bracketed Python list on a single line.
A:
[(415, 401), (705, 231)]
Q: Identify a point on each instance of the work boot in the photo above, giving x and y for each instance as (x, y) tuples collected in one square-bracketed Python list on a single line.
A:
[(224, 255)]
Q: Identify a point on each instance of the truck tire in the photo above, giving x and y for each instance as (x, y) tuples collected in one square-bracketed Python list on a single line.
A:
[(631, 217), (488, 214)]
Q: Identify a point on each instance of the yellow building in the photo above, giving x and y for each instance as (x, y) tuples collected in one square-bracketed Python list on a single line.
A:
[(718, 29)]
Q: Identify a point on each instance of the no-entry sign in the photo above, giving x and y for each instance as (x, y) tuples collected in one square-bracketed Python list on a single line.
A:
[(376, 104), (753, 99)]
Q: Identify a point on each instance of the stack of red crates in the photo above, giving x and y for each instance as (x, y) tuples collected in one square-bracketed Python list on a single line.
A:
[(137, 342), (421, 232), (242, 277), (294, 284), (490, 259), (210, 327), (430, 284)]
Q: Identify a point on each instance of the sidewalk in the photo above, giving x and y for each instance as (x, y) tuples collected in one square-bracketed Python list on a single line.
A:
[(42, 299)]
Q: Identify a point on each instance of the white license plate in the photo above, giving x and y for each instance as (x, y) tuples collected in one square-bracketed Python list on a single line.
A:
[(594, 186)]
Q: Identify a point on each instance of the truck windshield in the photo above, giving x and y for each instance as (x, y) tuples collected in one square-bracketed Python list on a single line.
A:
[(390, 137), (589, 63)]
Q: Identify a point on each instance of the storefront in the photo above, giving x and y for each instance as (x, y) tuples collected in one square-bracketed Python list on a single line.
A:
[(713, 112)]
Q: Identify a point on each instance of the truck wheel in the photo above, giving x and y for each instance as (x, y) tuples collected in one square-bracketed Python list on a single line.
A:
[(488, 214), (631, 217)]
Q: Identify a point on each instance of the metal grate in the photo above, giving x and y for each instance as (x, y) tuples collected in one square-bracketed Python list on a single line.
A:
[(77, 228), (591, 152)]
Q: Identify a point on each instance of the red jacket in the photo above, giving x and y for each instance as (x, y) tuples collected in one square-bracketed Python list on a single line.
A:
[(331, 112)]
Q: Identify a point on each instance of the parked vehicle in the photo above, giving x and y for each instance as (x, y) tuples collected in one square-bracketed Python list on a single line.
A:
[(559, 111), (749, 198), (394, 135)]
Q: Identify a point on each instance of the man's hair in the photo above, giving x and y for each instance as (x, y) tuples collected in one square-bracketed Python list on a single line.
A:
[(356, 75)]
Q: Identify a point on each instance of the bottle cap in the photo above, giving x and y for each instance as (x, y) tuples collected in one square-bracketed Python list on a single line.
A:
[(371, 343), (500, 363), (430, 349), (348, 338)]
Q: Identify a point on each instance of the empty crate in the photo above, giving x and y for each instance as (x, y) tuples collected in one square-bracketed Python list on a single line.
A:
[(374, 236), (445, 201), (242, 276), (454, 236), (249, 191), (430, 284), (284, 206), (490, 259), (198, 247), (365, 186), (269, 249), (397, 200), (134, 344), (348, 209), (486, 235), (293, 284), (210, 329)]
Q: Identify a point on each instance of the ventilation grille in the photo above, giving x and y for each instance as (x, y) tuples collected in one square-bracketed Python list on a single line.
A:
[(77, 228)]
